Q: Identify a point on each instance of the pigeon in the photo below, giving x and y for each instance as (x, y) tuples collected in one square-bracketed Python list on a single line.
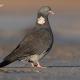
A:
[(36, 44)]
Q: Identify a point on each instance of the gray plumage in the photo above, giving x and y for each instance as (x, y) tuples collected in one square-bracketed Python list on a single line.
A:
[(38, 42)]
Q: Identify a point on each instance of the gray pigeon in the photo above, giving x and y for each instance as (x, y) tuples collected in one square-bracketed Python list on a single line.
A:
[(36, 44)]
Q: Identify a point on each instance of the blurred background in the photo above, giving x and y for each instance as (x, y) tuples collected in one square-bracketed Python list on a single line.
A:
[(18, 15)]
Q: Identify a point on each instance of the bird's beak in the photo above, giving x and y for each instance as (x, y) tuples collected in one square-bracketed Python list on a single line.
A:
[(51, 12)]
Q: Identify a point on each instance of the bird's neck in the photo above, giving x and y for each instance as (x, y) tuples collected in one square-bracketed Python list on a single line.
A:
[(42, 20)]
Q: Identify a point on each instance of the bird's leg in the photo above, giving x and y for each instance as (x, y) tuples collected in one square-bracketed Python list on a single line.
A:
[(32, 65), (37, 65)]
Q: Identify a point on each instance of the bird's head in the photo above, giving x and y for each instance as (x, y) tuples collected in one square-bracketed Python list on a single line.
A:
[(46, 10), (43, 14)]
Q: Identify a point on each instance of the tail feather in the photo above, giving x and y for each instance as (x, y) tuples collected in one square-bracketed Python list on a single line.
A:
[(4, 63)]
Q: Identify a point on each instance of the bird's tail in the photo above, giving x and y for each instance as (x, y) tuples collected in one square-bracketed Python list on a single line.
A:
[(4, 63)]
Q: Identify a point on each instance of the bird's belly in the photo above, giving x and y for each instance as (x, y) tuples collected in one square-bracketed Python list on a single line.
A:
[(34, 58)]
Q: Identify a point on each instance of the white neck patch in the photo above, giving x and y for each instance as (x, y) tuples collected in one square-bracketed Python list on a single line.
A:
[(41, 20)]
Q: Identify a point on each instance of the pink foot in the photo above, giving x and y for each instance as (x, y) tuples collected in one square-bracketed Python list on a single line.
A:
[(37, 65)]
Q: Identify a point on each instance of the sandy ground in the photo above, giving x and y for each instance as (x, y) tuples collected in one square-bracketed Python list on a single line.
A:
[(62, 64)]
